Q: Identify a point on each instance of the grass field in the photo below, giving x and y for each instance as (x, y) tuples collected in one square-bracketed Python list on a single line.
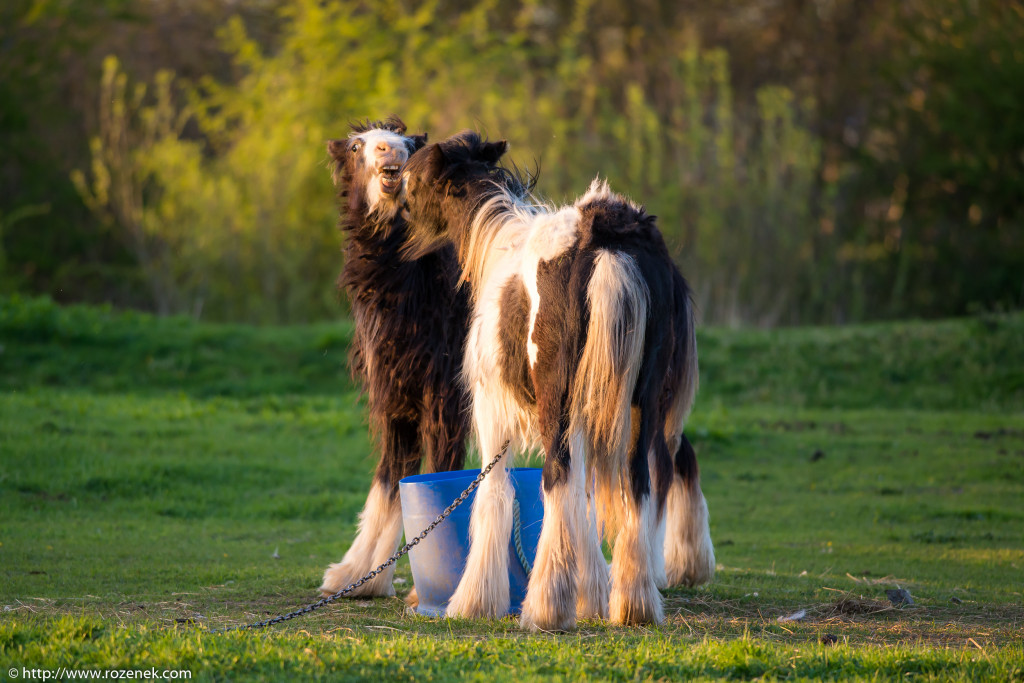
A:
[(159, 478)]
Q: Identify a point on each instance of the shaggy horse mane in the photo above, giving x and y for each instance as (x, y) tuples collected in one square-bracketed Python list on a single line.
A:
[(392, 123)]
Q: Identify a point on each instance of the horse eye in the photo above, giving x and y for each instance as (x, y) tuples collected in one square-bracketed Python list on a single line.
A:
[(355, 147)]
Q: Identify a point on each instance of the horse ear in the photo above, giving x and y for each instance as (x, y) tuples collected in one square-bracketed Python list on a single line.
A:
[(336, 148), (491, 152), (436, 161), (418, 141)]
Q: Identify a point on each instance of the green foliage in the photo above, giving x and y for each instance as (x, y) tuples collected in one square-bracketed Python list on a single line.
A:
[(947, 154), (244, 226), (9, 279), (835, 162), (131, 132), (49, 84)]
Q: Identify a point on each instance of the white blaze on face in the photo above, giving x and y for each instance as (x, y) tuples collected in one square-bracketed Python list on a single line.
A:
[(381, 149)]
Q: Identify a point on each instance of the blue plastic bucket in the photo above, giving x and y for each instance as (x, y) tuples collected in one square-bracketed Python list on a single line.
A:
[(439, 559)]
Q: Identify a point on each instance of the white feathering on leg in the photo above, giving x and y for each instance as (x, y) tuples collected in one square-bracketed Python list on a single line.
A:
[(483, 590), (551, 597), (635, 598), (689, 553), (592, 599), (380, 529)]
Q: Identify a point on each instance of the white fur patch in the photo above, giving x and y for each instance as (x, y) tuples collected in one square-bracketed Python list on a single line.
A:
[(550, 236), (380, 529), (499, 231)]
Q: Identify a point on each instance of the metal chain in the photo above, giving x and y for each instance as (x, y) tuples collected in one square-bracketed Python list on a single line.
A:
[(390, 561)]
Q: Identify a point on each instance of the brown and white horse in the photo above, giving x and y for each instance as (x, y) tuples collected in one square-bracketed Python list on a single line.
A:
[(411, 321), (582, 340)]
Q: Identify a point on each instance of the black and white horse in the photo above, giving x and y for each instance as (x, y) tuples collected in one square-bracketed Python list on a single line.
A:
[(582, 340), (411, 321)]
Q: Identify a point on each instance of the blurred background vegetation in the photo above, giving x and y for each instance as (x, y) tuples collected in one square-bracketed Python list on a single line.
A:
[(810, 161)]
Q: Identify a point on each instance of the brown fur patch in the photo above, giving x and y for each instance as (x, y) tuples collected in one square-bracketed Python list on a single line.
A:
[(512, 332)]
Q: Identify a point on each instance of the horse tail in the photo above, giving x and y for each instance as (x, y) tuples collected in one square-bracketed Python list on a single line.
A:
[(612, 356)]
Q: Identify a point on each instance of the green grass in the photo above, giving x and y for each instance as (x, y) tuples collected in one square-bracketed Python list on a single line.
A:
[(155, 471)]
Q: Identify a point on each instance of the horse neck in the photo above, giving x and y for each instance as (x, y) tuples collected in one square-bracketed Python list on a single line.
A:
[(486, 237), (369, 240)]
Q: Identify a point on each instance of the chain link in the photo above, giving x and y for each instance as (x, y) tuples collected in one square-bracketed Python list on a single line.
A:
[(390, 561)]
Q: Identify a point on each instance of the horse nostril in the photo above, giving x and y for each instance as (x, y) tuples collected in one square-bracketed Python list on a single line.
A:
[(383, 147)]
